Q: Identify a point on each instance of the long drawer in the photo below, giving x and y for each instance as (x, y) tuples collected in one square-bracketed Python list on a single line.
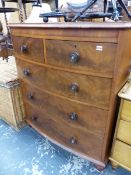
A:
[(29, 48), (85, 56), (126, 111), (66, 134), (124, 132), (87, 89), (75, 114), (122, 153)]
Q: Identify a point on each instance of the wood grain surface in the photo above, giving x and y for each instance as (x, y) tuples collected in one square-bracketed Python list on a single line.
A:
[(122, 154), (124, 132), (35, 48), (61, 131), (88, 118), (85, 34), (126, 111), (93, 57), (92, 90), (98, 77)]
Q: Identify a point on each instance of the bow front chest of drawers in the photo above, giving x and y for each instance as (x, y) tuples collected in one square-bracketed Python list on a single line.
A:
[(70, 75)]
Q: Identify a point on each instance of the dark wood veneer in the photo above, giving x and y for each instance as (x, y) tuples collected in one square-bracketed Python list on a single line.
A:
[(62, 132), (94, 90), (93, 56), (48, 76), (88, 118), (34, 48)]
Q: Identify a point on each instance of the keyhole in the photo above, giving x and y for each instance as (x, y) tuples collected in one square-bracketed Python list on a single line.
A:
[(75, 46)]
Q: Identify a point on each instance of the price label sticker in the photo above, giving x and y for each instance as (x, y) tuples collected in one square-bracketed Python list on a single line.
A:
[(99, 48)]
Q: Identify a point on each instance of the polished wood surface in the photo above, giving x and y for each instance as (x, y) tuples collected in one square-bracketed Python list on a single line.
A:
[(121, 72), (98, 75), (79, 25), (88, 118), (83, 34), (123, 59), (122, 154), (30, 48), (124, 132), (62, 132), (92, 90), (94, 57), (126, 111), (121, 148), (66, 69)]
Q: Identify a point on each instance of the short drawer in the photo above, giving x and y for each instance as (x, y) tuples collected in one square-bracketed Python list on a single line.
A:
[(75, 114), (61, 132), (126, 111), (29, 48), (85, 56), (124, 132), (87, 89), (122, 153)]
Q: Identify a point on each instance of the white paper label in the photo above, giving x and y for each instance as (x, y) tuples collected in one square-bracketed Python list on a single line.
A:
[(99, 48)]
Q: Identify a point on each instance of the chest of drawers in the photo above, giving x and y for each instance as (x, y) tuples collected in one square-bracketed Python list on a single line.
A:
[(70, 75), (121, 149)]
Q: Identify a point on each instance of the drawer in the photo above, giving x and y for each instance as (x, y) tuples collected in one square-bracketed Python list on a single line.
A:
[(29, 48), (83, 88), (126, 111), (85, 56), (63, 133), (124, 132), (72, 113), (122, 153)]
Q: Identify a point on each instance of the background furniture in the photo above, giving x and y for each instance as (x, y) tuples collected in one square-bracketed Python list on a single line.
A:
[(121, 149), (11, 104), (70, 75)]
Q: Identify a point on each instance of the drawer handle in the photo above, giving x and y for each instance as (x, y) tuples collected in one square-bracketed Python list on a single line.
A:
[(73, 140), (34, 118), (74, 57), (73, 116), (30, 96), (26, 72), (23, 48), (74, 87)]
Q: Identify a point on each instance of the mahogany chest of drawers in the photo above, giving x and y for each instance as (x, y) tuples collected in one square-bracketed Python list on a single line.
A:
[(70, 75)]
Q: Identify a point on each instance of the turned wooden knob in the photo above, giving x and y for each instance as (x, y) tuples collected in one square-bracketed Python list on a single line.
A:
[(30, 96), (73, 116), (34, 118), (73, 140), (74, 87), (24, 48), (26, 72), (74, 57)]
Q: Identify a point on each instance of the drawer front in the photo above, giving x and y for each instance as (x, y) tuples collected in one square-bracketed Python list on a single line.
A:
[(30, 48), (86, 56), (87, 89), (124, 132), (61, 132), (126, 111), (72, 113), (122, 153)]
